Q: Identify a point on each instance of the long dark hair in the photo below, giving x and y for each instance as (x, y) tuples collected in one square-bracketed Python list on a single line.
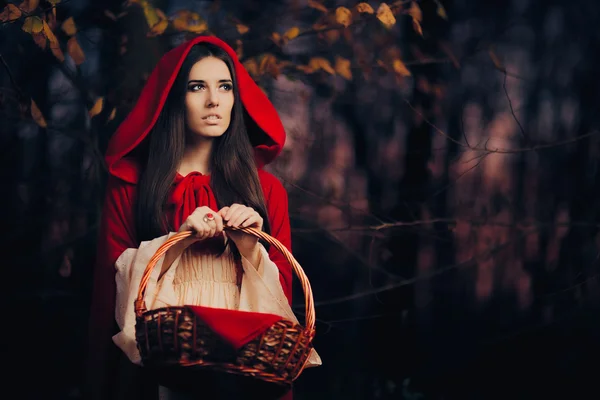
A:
[(234, 175)]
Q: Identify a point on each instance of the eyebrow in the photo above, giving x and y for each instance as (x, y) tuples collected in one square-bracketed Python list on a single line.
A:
[(201, 81)]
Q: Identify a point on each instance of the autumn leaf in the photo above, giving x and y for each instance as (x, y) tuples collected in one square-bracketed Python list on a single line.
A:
[(292, 33), (112, 115), (150, 13), (441, 11), (251, 66), (189, 21), (75, 51), (276, 38), (385, 15), (417, 16), (159, 28), (364, 8), (242, 29), (33, 25), (400, 68), (97, 107), (343, 16), (318, 6), (10, 13), (342, 67), (110, 15), (40, 39), (29, 6), (317, 63), (268, 63), (54, 45), (37, 116), (54, 2), (68, 26)]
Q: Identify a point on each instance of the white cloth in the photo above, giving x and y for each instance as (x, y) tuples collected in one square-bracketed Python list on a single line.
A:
[(194, 279)]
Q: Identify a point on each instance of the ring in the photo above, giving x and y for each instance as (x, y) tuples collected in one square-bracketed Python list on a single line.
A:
[(208, 217)]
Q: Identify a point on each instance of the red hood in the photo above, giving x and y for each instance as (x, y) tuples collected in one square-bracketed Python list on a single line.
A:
[(267, 135)]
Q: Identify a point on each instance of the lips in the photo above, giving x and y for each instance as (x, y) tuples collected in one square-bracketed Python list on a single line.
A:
[(212, 117)]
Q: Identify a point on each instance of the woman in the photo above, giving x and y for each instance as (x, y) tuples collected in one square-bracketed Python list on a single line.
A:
[(189, 156)]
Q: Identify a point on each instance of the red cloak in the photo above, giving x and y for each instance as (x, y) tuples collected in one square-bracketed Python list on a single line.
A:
[(117, 228)]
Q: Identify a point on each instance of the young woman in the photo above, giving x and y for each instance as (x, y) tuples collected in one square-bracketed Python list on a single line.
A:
[(189, 156)]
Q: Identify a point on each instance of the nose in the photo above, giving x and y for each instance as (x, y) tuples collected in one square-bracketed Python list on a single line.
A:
[(213, 99)]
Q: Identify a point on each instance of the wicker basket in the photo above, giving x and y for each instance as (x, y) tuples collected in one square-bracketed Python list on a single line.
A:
[(173, 338)]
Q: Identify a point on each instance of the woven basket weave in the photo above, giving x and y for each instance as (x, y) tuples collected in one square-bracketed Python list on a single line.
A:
[(176, 337)]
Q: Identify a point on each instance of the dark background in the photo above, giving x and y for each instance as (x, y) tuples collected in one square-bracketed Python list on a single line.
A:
[(447, 216)]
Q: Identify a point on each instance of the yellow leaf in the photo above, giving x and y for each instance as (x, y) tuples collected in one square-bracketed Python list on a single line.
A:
[(384, 14), (37, 116), (150, 13), (317, 63), (441, 11), (97, 108), (415, 12), (75, 51), (159, 28), (242, 29), (292, 33), (251, 66), (33, 25), (68, 26), (342, 68), (189, 21), (112, 115), (29, 6), (400, 68), (316, 5), (343, 16), (417, 27), (364, 8), (54, 45), (266, 63), (10, 13)]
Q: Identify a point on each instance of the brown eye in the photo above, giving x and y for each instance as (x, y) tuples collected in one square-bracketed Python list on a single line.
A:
[(195, 87)]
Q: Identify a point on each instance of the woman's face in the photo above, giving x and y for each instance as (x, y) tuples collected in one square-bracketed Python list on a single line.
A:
[(209, 98)]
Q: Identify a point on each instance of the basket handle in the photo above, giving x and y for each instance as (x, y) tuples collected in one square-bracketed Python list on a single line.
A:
[(140, 304)]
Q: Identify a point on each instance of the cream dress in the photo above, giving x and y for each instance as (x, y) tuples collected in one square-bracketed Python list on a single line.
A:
[(195, 279)]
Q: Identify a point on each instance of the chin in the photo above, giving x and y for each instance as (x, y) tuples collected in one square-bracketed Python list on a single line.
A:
[(215, 132)]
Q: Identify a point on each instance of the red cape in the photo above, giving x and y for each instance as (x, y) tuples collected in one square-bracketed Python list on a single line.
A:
[(117, 228)]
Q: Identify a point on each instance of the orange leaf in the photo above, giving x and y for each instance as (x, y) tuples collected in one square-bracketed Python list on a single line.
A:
[(268, 63), (29, 6), (251, 66), (112, 115), (496, 60), (239, 49), (97, 108), (441, 11), (242, 29), (40, 39), (189, 21), (343, 16), (316, 5), (75, 51), (385, 15), (68, 26), (415, 12), (417, 27), (400, 68), (10, 13), (276, 38), (54, 45), (342, 67), (364, 8), (292, 33), (33, 25), (37, 116), (317, 63)]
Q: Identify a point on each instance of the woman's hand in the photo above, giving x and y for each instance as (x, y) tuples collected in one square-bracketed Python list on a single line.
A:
[(205, 222), (241, 216)]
